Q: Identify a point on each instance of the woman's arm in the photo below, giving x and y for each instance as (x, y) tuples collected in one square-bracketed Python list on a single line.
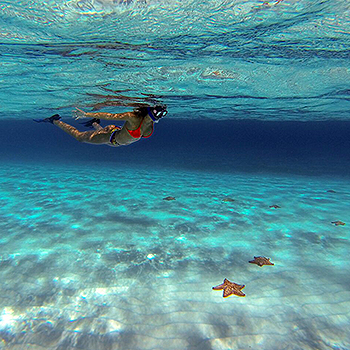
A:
[(78, 114)]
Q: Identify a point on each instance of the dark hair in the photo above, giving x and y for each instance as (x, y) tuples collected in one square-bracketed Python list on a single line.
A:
[(157, 111), (141, 111)]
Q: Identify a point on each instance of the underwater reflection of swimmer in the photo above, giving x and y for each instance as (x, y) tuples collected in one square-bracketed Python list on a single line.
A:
[(138, 124)]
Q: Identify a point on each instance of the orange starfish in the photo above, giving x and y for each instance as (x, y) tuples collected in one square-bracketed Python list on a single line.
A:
[(230, 288), (337, 223), (261, 261)]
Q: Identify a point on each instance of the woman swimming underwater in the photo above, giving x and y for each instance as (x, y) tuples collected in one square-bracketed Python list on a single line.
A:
[(138, 124)]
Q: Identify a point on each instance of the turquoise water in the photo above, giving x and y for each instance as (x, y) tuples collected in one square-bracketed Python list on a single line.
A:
[(213, 59), (118, 267), (92, 255)]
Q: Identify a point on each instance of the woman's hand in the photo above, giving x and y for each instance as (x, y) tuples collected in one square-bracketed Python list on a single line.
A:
[(79, 114)]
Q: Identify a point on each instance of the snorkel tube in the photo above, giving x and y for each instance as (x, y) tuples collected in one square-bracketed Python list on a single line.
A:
[(152, 115)]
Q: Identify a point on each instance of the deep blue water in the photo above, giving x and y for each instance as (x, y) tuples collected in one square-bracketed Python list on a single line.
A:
[(304, 148)]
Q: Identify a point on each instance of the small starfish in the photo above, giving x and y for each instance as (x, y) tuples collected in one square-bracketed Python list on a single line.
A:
[(338, 222), (228, 199), (274, 206), (169, 198), (230, 288), (261, 261)]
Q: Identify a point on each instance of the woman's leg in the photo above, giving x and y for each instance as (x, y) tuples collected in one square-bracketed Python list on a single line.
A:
[(96, 137)]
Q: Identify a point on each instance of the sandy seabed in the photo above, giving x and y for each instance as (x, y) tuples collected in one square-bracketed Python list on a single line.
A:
[(96, 259)]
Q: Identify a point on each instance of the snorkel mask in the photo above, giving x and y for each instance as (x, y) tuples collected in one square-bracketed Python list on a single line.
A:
[(157, 112)]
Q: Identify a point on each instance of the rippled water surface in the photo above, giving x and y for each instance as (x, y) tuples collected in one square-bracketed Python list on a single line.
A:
[(212, 59)]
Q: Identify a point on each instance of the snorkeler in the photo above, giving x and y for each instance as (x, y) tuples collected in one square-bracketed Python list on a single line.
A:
[(138, 124)]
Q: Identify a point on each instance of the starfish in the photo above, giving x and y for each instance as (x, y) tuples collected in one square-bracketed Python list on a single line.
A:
[(228, 199), (274, 206), (169, 198), (261, 261), (230, 288), (337, 223)]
